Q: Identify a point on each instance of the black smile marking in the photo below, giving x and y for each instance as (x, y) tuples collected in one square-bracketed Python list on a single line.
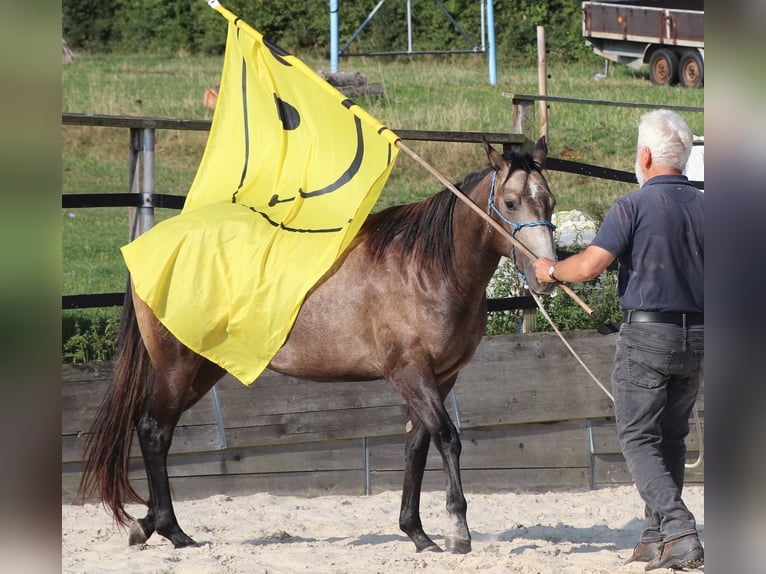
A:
[(277, 52), (291, 229), (350, 172), (275, 199), (288, 115)]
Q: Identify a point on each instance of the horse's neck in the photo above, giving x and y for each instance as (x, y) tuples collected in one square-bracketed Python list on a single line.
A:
[(475, 257)]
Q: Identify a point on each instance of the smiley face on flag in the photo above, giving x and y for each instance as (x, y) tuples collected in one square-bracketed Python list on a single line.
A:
[(290, 140)]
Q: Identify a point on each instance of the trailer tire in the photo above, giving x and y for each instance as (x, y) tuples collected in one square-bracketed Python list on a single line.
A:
[(663, 67), (691, 71)]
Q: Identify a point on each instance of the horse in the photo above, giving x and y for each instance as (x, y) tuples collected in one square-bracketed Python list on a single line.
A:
[(406, 302)]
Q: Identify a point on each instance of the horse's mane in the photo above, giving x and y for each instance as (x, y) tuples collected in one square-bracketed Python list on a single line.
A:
[(421, 231)]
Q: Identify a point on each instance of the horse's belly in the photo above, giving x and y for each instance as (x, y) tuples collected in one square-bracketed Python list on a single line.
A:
[(327, 360)]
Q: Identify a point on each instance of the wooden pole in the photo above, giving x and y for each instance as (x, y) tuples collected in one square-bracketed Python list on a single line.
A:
[(542, 80), (479, 211)]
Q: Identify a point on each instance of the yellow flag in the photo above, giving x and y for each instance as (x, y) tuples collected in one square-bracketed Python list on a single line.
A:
[(290, 171)]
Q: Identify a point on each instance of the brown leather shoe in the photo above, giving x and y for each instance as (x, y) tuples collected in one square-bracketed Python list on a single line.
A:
[(645, 551), (684, 552)]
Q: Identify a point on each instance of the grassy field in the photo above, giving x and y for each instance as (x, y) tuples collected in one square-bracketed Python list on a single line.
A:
[(446, 93)]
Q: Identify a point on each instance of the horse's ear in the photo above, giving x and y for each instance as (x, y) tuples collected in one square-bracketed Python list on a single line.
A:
[(496, 160), (541, 152)]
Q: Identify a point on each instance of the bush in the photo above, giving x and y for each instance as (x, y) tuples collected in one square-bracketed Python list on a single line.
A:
[(182, 27), (90, 336), (600, 294)]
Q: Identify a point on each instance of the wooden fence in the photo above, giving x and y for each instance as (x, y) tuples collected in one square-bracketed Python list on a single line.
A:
[(530, 419)]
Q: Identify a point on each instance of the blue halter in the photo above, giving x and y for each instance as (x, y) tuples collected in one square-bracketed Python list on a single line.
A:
[(516, 226)]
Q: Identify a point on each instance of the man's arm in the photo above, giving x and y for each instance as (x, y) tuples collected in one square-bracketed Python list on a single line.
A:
[(581, 267)]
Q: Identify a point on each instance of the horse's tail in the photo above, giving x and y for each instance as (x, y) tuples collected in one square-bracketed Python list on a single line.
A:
[(107, 447)]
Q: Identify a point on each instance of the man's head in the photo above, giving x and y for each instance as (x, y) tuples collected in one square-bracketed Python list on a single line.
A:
[(664, 144)]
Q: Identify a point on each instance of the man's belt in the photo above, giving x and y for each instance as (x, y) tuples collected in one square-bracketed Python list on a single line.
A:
[(680, 319)]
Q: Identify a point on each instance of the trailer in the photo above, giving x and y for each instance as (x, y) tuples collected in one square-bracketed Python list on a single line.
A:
[(666, 35)]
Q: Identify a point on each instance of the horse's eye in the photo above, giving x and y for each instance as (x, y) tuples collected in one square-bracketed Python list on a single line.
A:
[(509, 204)]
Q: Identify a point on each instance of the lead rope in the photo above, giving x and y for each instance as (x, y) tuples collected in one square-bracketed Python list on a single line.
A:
[(697, 424)]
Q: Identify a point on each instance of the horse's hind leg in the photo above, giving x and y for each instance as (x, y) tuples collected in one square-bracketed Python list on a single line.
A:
[(178, 380), (172, 392)]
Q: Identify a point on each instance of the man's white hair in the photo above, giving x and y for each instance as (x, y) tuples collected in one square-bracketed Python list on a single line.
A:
[(667, 136)]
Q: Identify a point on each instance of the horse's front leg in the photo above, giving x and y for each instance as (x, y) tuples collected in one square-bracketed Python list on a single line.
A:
[(423, 396), (415, 455)]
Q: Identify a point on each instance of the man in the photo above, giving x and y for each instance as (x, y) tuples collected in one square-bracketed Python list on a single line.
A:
[(656, 234)]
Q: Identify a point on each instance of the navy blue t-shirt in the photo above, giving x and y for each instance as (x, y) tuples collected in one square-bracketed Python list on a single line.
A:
[(656, 233)]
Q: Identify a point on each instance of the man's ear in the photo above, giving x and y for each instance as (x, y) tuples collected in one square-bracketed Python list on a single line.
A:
[(646, 158)]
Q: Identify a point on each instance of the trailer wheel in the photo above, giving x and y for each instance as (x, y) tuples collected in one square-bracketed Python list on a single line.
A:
[(663, 67), (691, 69)]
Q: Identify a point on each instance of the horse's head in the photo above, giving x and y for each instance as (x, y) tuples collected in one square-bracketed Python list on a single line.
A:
[(519, 199)]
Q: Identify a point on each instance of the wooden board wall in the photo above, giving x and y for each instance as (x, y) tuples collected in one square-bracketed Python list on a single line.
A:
[(528, 414)]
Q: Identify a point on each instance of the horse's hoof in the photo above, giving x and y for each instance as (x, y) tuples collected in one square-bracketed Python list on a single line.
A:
[(457, 545), (430, 548), (184, 542), (136, 534)]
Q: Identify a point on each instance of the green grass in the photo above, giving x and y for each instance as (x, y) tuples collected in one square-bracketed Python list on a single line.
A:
[(435, 93)]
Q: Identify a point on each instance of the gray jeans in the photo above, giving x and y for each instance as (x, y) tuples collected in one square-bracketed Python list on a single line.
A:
[(657, 373)]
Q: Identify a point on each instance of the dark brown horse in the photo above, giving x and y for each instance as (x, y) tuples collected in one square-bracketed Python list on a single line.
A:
[(406, 302)]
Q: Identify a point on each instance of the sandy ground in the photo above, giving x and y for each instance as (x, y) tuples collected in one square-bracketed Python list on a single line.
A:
[(584, 532)]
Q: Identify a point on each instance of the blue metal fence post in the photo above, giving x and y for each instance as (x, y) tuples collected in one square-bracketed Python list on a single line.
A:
[(491, 43), (333, 36)]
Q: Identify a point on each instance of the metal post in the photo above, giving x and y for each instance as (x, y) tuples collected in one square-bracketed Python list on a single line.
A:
[(135, 179), (366, 454), (361, 27), (483, 13), (409, 26), (529, 320), (453, 398), (491, 43), (591, 455), (218, 418), (333, 36), (142, 180), (146, 211)]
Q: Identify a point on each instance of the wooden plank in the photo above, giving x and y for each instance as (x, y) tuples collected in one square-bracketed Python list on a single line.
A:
[(490, 480), (320, 425), (84, 386), (319, 483), (611, 469), (605, 437), (274, 393), (194, 487), (100, 371), (569, 100), (104, 120), (518, 446), (312, 457), (186, 439), (533, 378)]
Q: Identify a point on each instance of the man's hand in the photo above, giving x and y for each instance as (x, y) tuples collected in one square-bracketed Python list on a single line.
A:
[(542, 264)]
